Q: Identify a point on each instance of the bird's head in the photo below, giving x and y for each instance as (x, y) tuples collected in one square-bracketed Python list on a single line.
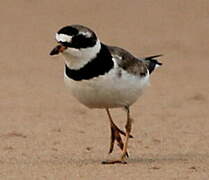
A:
[(76, 42)]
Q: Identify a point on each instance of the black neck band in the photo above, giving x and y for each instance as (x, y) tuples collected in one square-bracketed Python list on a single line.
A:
[(100, 65)]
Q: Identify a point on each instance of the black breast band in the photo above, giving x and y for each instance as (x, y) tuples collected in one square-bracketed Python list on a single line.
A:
[(100, 65)]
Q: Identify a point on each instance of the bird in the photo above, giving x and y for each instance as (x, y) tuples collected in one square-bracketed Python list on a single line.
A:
[(103, 77)]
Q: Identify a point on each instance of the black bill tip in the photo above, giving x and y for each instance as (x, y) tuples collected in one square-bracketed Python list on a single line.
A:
[(55, 51)]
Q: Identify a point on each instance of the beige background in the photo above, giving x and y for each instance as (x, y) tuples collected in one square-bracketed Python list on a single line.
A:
[(46, 134)]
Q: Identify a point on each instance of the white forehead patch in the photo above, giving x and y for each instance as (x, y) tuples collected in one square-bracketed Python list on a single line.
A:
[(63, 37), (87, 34)]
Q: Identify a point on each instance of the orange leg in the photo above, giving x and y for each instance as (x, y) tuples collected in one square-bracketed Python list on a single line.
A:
[(115, 135)]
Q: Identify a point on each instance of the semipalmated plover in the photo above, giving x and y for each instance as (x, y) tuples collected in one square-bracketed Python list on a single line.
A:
[(103, 76)]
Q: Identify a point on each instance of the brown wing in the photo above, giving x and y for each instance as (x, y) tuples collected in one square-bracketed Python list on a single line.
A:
[(128, 62)]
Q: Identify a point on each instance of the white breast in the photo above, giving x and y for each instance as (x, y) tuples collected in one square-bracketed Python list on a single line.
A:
[(117, 88)]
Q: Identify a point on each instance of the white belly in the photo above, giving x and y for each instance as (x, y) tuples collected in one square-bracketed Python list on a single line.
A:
[(108, 91)]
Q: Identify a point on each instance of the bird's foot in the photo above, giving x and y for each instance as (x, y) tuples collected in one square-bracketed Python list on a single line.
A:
[(115, 135)]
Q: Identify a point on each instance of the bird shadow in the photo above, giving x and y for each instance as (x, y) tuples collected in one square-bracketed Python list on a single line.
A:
[(168, 158), (171, 158)]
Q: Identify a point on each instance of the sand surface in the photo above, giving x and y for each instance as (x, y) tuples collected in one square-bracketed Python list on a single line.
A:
[(46, 134)]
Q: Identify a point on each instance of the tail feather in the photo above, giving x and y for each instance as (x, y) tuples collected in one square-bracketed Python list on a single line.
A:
[(152, 57), (151, 62)]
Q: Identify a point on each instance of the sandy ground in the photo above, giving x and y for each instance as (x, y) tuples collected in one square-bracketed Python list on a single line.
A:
[(46, 134)]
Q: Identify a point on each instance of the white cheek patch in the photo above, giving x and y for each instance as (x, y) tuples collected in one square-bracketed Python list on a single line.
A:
[(63, 38)]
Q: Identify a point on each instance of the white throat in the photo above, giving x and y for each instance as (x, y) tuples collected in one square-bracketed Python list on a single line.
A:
[(77, 58)]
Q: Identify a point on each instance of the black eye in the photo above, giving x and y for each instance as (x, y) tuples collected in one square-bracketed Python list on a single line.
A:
[(81, 41)]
